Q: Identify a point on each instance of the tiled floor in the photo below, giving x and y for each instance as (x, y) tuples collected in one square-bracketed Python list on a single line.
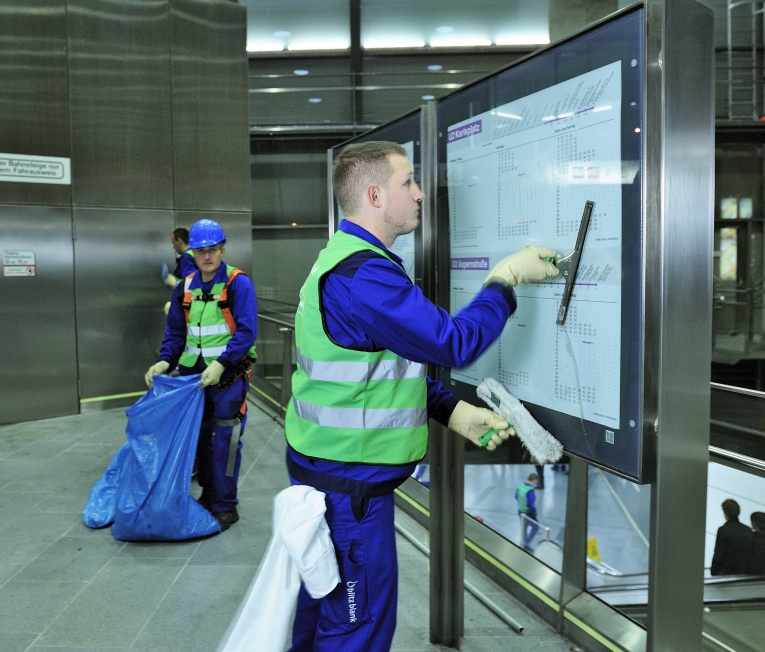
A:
[(66, 588)]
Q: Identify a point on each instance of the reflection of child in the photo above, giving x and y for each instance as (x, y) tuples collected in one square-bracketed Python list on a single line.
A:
[(527, 509)]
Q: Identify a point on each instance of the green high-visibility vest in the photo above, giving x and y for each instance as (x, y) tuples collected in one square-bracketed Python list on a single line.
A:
[(352, 406), (209, 323), (521, 493)]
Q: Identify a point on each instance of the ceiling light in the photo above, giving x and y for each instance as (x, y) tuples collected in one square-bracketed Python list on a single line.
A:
[(523, 39), (318, 44), (512, 116), (300, 72), (445, 29), (601, 108), (314, 100), (459, 42), (435, 66), (265, 46), (385, 43), (282, 34), (428, 97)]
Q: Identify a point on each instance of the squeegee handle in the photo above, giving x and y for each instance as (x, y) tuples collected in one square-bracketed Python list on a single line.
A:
[(485, 438)]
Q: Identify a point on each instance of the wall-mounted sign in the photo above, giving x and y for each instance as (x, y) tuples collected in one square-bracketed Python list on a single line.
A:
[(19, 264), (27, 168), (19, 258), (16, 271)]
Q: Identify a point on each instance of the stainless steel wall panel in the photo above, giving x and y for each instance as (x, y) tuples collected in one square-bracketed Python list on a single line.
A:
[(38, 375), (211, 124), (120, 321), (33, 93), (119, 76), (238, 230)]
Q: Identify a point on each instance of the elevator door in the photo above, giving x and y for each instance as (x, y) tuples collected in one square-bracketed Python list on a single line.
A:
[(38, 374)]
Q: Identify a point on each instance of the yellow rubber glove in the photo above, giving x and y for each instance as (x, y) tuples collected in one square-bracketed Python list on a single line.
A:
[(471, 422), (211, 375), (525, 265), (155, 369)]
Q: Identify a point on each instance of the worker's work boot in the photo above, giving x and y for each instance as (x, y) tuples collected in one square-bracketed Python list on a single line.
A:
[(226, 519)]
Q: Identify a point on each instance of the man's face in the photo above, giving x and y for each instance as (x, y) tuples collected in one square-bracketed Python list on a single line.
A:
[(402, 198), (178, 244), (209, 260)]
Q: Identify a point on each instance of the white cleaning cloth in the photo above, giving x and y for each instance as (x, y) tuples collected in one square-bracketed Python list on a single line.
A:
[(300, 548), (544, 448)]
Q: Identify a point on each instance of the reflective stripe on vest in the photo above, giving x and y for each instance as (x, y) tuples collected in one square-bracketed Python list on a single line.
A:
[(359, 372), (329, 417), (366, 407)]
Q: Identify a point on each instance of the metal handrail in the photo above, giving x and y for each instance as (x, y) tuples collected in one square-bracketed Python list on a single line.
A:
[(278, 322)]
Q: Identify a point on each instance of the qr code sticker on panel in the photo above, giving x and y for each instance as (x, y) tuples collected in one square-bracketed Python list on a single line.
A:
[(609, 436)]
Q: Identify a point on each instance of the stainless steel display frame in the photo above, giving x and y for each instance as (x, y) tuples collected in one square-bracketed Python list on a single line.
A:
[(677, 211)]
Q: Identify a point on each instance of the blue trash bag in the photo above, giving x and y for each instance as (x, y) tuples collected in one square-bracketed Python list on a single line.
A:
[(152, 500), (99, 510)]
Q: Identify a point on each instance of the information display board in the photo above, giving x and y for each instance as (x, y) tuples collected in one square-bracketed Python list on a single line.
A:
[(521, 151), (406, 132)]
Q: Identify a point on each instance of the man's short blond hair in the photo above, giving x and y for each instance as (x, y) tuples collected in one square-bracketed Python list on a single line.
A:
[(359, 166)]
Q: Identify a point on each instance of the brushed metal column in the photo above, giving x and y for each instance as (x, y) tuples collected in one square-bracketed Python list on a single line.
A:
[(211, 138), (120, 321), (33, 94), (119, 89), (678, 191)]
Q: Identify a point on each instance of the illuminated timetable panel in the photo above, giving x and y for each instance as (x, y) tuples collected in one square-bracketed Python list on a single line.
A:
[(521, 173)]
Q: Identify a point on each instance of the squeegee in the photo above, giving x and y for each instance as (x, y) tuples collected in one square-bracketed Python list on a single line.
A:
[(569, 265), (544, 448)]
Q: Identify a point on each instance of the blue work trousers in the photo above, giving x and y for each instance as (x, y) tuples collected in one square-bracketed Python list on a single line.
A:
[(218, 457), (359, 615)]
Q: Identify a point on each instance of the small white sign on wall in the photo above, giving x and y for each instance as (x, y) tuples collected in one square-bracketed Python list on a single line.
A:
[(27, 168), (19, 264)]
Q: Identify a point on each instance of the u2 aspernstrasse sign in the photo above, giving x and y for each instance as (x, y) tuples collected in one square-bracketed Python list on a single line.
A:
[(27, 168)]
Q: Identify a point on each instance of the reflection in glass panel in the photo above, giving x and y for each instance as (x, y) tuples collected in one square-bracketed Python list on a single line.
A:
[(728, 254), (729, 208), (748, 491), (745, 207), (494, 494), (618, 523)]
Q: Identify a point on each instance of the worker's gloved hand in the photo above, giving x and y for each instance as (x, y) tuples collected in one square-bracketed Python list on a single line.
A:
[(472, 422), (211, 375), (167, 307), (155, 369), (525, 265)]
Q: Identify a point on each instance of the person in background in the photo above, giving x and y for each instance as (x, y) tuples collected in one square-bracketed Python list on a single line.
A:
[(211, 330), (527, 509), (733, 546), (357, 424), (757, 563), (184, 261)]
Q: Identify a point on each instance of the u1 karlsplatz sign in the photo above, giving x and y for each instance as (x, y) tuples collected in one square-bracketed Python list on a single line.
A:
[(27, 168)]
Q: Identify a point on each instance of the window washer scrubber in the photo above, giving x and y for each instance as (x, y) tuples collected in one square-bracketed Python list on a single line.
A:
[(544, 448)]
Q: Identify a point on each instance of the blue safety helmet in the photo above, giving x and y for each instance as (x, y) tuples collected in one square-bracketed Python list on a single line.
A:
[(205, 233)]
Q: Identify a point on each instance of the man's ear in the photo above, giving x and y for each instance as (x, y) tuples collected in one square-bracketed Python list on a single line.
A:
[(373, 195)]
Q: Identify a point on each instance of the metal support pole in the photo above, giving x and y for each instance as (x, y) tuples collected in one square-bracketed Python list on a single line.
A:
[(447, 533), (287, 351), (679, 188), (573, 579)]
